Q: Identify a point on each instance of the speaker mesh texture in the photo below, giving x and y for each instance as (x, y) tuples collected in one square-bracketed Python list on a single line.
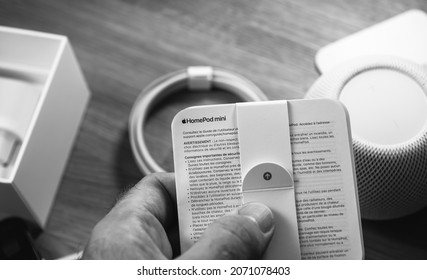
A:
[(392, 179)]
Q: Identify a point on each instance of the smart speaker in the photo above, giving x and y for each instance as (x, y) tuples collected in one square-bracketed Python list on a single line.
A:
[(387, 104)]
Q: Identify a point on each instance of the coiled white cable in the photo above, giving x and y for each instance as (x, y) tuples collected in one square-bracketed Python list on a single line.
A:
[(194, 78)]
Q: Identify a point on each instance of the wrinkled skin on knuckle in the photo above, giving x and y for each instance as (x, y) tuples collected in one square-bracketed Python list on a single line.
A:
[(128, 237), (235, 237)]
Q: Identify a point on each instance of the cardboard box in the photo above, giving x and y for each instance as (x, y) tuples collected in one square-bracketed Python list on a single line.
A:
[(43, 96)]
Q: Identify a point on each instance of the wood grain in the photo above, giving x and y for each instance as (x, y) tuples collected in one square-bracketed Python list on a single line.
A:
[(122, 45)]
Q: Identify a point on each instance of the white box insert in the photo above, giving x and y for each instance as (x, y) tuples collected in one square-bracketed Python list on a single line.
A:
[(43, 96)]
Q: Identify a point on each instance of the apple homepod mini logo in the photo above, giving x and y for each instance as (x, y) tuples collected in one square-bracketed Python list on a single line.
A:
[(204, 119)]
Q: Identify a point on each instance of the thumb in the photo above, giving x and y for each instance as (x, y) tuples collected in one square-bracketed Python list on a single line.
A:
[(243, 234)]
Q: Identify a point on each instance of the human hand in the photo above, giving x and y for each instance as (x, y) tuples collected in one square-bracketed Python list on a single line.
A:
[(141, 225)]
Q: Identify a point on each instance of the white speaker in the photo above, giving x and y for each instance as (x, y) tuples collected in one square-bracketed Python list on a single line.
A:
[(387, 104)]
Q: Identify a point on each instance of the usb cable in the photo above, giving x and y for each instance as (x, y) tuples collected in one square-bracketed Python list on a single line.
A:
[(193, 78)]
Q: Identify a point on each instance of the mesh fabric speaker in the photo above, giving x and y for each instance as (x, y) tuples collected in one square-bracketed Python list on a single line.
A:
[(392, 179)]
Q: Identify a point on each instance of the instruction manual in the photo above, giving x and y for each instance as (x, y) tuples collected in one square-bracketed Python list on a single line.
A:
[(294, 156)]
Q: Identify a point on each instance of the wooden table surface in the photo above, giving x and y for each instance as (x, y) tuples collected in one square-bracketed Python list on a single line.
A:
[(122, 45)]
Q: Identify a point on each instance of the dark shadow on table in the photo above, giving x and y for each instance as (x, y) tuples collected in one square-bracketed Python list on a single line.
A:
[(403, 238)]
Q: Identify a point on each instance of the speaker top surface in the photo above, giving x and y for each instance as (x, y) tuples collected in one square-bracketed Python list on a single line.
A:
[(386, 101), (386, 106), (386, 98)]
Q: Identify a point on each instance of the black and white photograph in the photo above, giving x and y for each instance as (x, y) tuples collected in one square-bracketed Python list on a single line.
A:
[(271, 131)]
